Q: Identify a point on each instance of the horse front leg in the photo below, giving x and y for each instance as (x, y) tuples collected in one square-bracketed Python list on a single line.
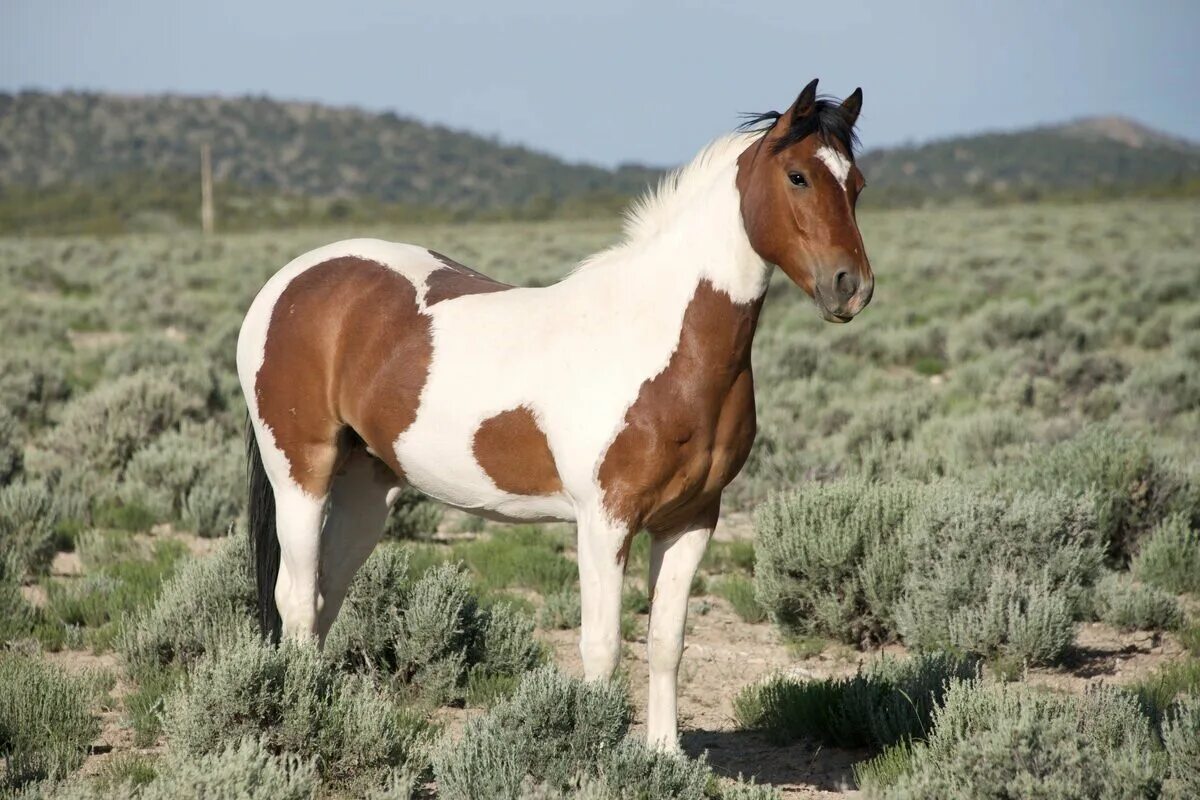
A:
[(601, 573), (673, 563)]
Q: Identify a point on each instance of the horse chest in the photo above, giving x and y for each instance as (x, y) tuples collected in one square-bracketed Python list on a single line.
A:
[(691, 427)]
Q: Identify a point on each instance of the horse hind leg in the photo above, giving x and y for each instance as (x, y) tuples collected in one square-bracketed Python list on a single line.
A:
[(299, 517), (359, 500)]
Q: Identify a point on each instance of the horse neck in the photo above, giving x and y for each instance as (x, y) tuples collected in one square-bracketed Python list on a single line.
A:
[(677, 258)]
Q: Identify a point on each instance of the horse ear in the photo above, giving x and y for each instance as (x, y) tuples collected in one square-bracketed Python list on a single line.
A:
[(852, 105), (804, 103)]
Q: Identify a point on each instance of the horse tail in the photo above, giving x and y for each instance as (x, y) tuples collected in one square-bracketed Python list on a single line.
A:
[(263, 539)]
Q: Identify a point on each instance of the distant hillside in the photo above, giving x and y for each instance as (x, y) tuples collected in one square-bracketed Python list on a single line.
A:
[(304, 149), (1094, 157), (106, 163)]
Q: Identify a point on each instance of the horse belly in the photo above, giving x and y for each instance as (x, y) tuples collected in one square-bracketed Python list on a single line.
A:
[(441, 457)]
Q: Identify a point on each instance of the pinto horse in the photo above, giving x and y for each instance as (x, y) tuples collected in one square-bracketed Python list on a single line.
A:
[(620, 398)]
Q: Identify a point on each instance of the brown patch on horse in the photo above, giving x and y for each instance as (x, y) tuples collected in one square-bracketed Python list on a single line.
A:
[(455, 280), (690, 430), (347, 345), (514, 452)]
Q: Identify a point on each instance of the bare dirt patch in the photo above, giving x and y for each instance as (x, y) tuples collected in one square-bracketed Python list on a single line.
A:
[(722, 655)]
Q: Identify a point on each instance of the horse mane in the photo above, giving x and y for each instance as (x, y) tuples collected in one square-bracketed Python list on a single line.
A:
[(827, 120), (647, 215)]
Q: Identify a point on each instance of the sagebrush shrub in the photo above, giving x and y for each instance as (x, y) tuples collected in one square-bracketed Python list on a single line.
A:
[(27, 519), (193, 475), (104, 428), (412, 515), (830, 559), (1044, 329), (1132, 486), (888, 702), (17, 616), (297, 702), (243, 770), (12, 448), (1181, 735), (45, 720), (143, 352), (953, 445), (738, 590), (552, 729), (1009, 740), (428, 631), (990, 573), (888, 419), (1169, 557), (207, 598), (561, 610), (1129, 605), (1162, 388), (31, 383)]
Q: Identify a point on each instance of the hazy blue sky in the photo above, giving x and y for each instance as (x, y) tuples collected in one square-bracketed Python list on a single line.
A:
[(618, 80)]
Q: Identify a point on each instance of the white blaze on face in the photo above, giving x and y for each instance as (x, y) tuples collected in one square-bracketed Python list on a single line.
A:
[(838, 164)]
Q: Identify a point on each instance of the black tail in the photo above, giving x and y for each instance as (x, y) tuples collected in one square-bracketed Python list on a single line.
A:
[(263, 539)]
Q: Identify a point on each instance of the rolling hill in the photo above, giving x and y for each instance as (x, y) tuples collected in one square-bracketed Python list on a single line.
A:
[(1093, 157), (89, 161)]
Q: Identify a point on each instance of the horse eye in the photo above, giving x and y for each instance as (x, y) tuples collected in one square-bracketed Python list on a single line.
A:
[(797, 179)]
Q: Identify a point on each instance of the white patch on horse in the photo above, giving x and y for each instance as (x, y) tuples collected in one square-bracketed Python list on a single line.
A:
[(837, 163)]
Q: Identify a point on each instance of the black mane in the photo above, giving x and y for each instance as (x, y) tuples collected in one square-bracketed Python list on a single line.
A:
[(826, 119)]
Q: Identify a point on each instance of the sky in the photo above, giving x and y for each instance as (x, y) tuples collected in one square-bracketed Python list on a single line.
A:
[(625, 81)]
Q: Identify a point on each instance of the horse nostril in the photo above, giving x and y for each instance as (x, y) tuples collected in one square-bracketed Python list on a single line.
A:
[(845, 284)]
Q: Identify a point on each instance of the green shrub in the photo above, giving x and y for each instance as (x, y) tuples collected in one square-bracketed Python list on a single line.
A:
[(132, 517), (1134, 606), (207, 598), (992, 574), (523, 556), (104, 428), (429, 632), (888, 419), (141, 353), (145, 702), (1132, 486), (552, 729), (1008, 740), (295, 700), (12, 448), (561, 610), (17, 616), (1170, 556), (888, 702), (1011, 322), (45, 721), (738, 590), (413, 515), (631, 769), (953, 445), (733, 556), (116, 584), (192, 475), (1181, 735), (1158, 692), (1162, 388), (829, 558), (30, 383), (27, 519), (210, 510), (240, 771)]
